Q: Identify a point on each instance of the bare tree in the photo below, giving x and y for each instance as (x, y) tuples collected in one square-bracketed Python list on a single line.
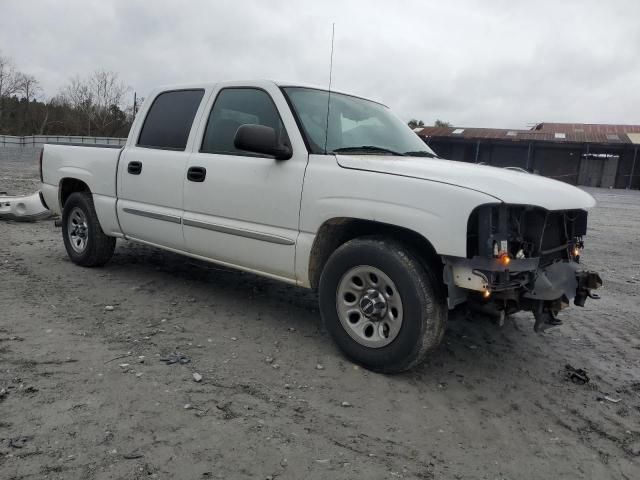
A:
[(9, 83), (108, 92), (92, 105), (77, 94), (98, 98), (28, 86), (57, 102)]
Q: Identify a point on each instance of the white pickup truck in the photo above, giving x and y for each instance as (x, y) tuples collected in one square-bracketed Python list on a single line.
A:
[(331, 192)]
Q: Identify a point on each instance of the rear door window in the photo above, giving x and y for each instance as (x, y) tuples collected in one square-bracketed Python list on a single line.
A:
[(169, 120)]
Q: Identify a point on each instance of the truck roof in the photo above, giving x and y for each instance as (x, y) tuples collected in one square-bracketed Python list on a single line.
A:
[(250, 83)]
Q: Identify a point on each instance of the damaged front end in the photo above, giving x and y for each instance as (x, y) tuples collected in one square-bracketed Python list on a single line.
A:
[(521, 257)]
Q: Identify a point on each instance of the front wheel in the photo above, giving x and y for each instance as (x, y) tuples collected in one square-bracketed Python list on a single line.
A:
[(381, 305), (84, 240)]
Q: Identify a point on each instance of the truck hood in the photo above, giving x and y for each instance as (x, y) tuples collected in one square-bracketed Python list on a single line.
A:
[(508, 186)]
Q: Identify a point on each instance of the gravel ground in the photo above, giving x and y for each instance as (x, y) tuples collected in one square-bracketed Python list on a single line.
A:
[(84, 395)]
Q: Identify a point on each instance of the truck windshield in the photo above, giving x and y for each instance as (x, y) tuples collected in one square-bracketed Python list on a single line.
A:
[(355, 125)]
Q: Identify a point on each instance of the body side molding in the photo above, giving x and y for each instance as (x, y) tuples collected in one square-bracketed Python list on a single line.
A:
[(265, 237), (154, 215)]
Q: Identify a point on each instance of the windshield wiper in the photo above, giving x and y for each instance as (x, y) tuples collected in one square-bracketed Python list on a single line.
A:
[(421, 153), (367, 148)]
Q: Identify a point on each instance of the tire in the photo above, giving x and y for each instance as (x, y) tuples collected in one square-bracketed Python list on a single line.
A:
[(84, 240), (372, 335)]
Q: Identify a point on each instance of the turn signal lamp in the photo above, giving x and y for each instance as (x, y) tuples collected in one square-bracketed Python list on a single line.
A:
[(504, 259)]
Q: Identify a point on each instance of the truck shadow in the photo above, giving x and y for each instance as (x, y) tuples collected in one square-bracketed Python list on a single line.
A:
[(472, 343)]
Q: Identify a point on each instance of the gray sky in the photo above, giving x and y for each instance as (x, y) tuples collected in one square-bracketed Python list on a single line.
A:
[(492, 63)]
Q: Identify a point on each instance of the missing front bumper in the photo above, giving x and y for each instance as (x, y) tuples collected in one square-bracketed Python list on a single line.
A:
[(522, 281)]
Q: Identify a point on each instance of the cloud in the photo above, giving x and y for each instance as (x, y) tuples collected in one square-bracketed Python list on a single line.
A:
[(494, 63)]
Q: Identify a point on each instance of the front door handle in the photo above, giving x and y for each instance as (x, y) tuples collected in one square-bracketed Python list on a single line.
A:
[(134, 168), (196, 174)]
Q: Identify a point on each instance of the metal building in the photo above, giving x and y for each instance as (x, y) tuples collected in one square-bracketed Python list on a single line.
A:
[(581, 154)]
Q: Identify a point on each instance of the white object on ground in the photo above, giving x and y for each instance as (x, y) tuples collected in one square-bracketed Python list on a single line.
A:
[(29, 208), (611, 399)]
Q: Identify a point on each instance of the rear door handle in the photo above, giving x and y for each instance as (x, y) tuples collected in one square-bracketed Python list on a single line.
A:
[(196, 174), (134, 168)]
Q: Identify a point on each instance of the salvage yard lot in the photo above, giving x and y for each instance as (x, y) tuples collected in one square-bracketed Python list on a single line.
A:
[(83, 393)]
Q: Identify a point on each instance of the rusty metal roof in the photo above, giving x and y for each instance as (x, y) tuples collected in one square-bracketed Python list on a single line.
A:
[(544, 132), (586, 128)]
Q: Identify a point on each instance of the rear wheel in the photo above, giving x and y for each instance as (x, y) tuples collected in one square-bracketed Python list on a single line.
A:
[(84, 240), (381, 304)]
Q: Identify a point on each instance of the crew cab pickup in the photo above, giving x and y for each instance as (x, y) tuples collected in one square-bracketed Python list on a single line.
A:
[(331, 192)]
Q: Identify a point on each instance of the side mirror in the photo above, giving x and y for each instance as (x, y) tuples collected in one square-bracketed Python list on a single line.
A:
[(261, 139)]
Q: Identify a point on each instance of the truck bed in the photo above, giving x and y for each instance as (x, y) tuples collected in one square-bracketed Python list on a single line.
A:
[(95, 165)]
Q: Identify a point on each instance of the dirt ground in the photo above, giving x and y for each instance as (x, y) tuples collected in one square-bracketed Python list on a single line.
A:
[(85, 395)]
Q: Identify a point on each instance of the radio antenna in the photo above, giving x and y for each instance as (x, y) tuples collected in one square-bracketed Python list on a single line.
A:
[(326, 132)]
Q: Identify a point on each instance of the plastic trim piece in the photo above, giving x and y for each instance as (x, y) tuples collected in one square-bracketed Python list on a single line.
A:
[(265, 237), (154, 215)]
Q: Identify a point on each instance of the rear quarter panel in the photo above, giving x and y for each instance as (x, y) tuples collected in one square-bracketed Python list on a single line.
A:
[(94, 166)]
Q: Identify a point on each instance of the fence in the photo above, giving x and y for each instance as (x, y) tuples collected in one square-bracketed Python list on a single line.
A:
[(39, 140)]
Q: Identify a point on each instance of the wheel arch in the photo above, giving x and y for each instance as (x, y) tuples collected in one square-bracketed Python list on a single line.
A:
[(69, 185), (336, 231)]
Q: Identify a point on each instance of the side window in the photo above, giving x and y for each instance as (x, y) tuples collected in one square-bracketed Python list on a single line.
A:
[(169, 120), (235, 107)]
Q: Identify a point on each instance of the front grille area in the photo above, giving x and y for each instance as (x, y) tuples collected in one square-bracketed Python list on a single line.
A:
[(531, 232)]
